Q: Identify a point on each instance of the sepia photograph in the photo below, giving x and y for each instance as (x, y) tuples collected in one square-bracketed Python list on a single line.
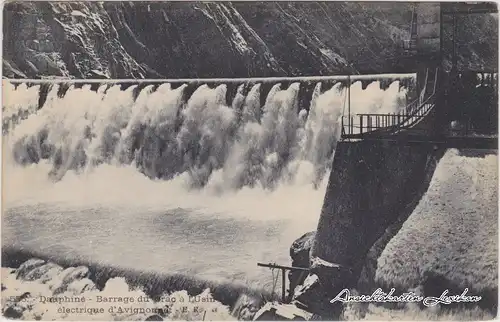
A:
[(249, 160)]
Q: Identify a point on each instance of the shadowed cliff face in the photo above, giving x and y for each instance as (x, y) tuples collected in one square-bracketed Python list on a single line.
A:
[(63, 39), (222, 39)]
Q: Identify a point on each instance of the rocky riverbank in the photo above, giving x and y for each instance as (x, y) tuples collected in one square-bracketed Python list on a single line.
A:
[(40, 290), (448, 243)]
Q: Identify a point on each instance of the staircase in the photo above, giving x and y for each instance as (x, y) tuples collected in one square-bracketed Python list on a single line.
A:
[(361, 126), (418, 123)]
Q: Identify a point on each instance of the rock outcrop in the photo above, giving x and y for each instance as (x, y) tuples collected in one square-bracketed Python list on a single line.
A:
[(300, 249), (219, 39), (40, 290), (300, 254)]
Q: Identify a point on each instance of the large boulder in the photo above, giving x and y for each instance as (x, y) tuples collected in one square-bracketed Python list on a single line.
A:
[(28, 266), (43, 273), (300, 249), (300, 254), (323, 282), (313, 296), (68, 276)]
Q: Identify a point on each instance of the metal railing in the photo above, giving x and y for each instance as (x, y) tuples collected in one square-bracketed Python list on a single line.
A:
[(363, 124), (283, 276), (359, 125)]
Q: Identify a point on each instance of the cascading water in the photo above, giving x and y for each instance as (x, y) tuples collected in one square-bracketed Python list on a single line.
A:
[(202, 186), (224, 146)]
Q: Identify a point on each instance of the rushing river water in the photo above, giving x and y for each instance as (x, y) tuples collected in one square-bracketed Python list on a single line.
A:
[(201, 186)]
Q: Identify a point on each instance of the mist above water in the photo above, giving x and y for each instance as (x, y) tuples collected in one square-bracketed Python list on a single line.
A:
[(179, 183), (203, 141)]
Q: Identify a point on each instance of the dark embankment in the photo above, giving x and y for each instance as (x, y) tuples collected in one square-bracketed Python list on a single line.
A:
[(372, 185), (153, 284)]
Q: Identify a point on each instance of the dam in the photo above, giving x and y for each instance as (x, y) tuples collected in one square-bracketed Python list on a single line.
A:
[(88, 149), (209, 177), (181, 207)]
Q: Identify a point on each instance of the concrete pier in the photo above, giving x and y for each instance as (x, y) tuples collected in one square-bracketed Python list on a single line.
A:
[(370, 187)]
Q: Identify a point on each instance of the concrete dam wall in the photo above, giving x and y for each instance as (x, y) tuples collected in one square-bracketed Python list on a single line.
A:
[(373, 184)]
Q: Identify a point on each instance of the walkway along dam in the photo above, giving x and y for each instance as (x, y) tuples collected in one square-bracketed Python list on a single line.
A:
[(231, 172), (213, 162), (384, 164)]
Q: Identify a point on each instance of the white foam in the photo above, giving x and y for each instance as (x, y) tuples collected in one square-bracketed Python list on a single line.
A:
[(89, 139)]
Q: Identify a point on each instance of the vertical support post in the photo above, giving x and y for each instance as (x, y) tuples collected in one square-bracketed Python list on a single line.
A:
[(349, 94), (443, 86), (342, 124), (454, 59), (361, 124), (495, 82), (441, 38), (283, 282)]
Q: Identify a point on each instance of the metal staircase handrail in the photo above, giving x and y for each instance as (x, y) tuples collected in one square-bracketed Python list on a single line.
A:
[(425, 101), (415, 112), (399, 121)]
